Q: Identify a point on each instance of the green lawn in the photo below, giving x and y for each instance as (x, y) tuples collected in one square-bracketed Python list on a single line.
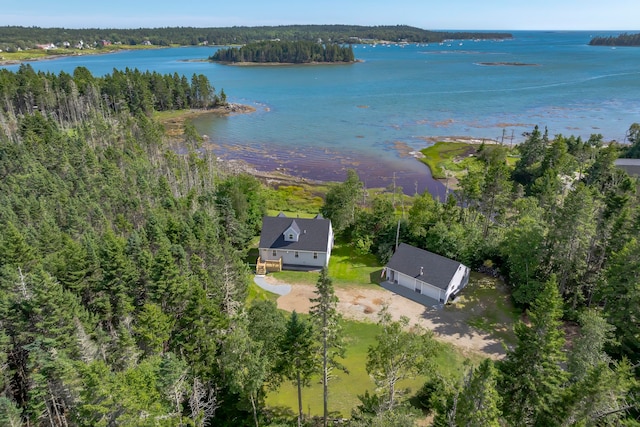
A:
[(484, 304), (488, 307), (346, 268), (256, 293), (344, 389), (303, 199), (454, 159), (291, 214), (442, 156)]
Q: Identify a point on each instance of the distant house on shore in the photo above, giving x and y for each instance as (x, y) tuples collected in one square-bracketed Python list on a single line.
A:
[(294, 243), (426, 273)]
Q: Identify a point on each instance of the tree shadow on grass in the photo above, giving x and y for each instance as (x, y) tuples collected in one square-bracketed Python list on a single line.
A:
[(279, 414), (482, 309), (448, 324), (376, 277)]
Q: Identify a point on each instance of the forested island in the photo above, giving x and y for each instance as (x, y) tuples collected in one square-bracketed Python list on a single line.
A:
[(126, 294), (624, 39), (14, 37), (284, 52)]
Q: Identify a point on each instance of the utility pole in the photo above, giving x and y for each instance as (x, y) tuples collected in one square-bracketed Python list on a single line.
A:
[(364, 195), (393, 203)]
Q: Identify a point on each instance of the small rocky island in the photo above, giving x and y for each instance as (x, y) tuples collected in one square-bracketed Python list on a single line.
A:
[(285, 52), (507, 64), (624, 39)]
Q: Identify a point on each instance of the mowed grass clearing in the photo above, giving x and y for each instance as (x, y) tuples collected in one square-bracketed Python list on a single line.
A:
[(347, 269), (487, 307), (344, 389)]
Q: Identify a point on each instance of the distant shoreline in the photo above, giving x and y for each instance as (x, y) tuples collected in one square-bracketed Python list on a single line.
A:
[(282, 64), (174, 121), (85, 52), (508, 64)]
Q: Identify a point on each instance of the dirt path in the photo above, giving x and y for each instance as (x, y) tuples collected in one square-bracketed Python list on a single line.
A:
[(364, 305)]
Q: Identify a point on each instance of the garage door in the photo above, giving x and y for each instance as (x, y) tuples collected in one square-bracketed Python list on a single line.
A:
[(431, 291)]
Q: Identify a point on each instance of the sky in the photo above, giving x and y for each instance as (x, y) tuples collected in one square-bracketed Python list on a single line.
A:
[(426, 14)]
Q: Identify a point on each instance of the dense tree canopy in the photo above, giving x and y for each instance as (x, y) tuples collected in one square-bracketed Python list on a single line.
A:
[(123, 283), (299, 52), (624, 39), (117, 279), (26, 37)]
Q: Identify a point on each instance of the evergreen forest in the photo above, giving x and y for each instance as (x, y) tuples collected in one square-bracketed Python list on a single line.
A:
[(302, 52), (12, 37), (624, 39), (125, 294)]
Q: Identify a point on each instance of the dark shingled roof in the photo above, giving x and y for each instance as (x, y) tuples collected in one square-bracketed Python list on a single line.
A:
[(631, 166), (437, 270), (294, 227), (314, 233)]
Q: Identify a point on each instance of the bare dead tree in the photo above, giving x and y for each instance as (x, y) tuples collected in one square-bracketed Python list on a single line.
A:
[(203, 402)]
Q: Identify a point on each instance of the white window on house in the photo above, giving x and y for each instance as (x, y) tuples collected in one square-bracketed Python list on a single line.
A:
[(315, 255), (290, 236), (296, 254), (274, 253)]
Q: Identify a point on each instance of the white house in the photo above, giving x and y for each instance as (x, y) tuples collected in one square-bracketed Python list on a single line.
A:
[(426, 273), (294, 243)]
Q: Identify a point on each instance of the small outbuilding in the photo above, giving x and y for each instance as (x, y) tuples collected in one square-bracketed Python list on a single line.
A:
[(294, 243), (630, 166), (426, 273)]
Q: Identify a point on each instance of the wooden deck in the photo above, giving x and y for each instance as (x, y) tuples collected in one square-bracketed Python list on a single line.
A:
[(264, 267)]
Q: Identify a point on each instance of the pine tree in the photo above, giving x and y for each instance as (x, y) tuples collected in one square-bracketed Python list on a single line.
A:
[(479, 401), (327, 321), (532, 376), (598, 393), (621, 296), (297, 356), (244, 364)]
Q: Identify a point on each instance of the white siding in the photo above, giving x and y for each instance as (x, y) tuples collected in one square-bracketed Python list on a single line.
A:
[(456, 282), (413, 284), (329, 246), (289, 257)]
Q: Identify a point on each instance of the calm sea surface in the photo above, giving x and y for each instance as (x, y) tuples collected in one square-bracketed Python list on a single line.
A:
[(317, 121)]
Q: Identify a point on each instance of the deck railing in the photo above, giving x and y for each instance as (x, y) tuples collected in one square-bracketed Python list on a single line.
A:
[(264, 267)]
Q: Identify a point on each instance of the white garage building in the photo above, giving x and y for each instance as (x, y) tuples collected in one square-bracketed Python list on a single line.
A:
[(426, 273)]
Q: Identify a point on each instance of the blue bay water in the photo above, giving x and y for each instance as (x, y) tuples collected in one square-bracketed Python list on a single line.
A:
[(317, 121)]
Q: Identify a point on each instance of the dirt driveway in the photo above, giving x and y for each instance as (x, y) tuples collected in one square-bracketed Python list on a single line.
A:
[(448, 324)]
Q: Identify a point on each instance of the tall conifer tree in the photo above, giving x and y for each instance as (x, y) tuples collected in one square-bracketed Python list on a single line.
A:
[(327, 320), (532, 376)]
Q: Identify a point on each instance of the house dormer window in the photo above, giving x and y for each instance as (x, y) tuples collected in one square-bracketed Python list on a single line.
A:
[(292, 233)]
